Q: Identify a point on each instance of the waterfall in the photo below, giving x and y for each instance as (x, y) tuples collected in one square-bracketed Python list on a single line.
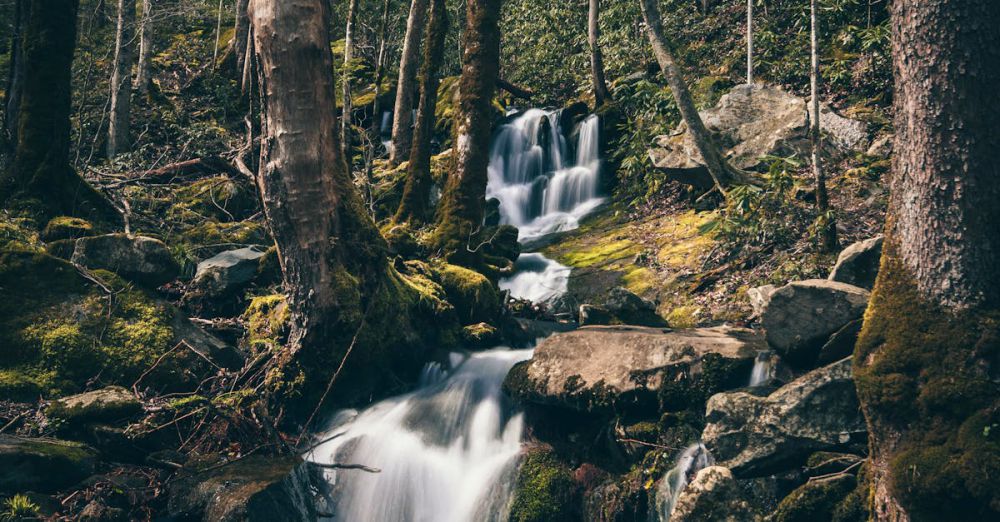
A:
[(537, 278), (692, 460), (540, 192), (763, 368), (446, 452)]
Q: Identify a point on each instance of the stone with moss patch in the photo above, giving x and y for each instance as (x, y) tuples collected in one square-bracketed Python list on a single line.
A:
[(545, 490), (816, 500), (65, 227), (474, 297), (104, 405), (43, 465)]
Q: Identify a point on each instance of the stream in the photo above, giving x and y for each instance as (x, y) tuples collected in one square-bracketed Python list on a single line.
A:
[(448, 451)]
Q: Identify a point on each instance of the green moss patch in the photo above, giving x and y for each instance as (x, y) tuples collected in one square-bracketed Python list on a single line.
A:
[(545, 490)]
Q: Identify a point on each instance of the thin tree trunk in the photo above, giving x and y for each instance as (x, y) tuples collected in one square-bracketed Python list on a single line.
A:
[(380, 72), (402, 120), (142, 77), (461, 211), (415, 204), (119, 139), (218, 34), (41, 163), (346, 136), (750, 42), (241, 32), (15, 82), (925, 364), (828, 225), (720, 170), (601, 92)]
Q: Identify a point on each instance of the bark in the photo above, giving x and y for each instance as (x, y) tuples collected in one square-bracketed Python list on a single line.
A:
[(15, 81), (720, 170), (601, 92), (218, 34), (146, 30), (415, 204), (119, 139), (926, 362), (241, 35), (749, 41), (380, 72), (461, 214), (346, 136), (402, 119), (827, 224), (516, 90), (41, 163)]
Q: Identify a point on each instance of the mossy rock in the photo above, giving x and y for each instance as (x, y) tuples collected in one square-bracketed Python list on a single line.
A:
[(218, 198), (545, 490), (815, 501), (19, 385), (105, 405), (267, 322), (481, 335), (474, 297), (43, 465), (65, 227)]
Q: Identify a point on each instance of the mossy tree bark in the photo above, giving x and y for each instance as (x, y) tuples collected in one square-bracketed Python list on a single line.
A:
[(601, 93), (722, 173), (402, 118), (121, 81), (460, 215), (827, 224), (146, 30), (15, 80), (346, 116), (41, 166), (928, 359), (415, 204)]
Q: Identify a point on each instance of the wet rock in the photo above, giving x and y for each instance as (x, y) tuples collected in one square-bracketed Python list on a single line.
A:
[(621, 306), (598, 368), (229, 271), (491, 212), (759, 297), (545, 490), (755, 436), (712, 495), (815, 501), (503, 243), (591, 315), (801, 316), (43, 465), (255, 488), (481, 335), (858, 264), (752, 122), (140, 259), (105, 405)]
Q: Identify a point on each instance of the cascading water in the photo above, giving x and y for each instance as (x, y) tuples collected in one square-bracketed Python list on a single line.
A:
[(763, 368), (692, 460), (446, 452)]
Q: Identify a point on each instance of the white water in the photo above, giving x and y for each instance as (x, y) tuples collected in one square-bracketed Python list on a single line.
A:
[(763, 368), (537, 279), (692, 460), (446, 452)]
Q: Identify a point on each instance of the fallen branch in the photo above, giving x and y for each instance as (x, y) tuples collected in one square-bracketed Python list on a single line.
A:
[(347, 466), (207, 166), (517, 91)]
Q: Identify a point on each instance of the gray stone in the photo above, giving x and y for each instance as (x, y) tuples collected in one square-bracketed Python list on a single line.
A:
[(755, 436), (139, 259), (801, 316), (43, 465), (103, 405), (229, 271), (621, 306), (712, 495), (759, 297), (882, 146), (591, 315), (858, 264)]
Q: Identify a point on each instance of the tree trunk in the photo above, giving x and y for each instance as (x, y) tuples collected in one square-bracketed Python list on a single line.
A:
[(601, 92), (461, 211), (346, 136), (119, 139), (417, 192), (383, 28), (720, 170), (41, 163), (218, 34), (15, 81), (142, 77), (750, 42), (241, 35), (827, 224), (402, 120), (926, 363)]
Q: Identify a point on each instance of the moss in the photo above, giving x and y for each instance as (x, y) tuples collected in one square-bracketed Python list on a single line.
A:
[(19, 385), (267, 322), (919, 373), (218, 198), (474, 297), (815, 501), (545, 490), (683, 317), (65, 227), (17, 233), (480, 335), (603, 253), (690, 390)]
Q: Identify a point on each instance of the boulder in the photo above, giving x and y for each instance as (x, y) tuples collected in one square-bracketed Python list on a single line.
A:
[(600, 368), (105, 405), (229, 271), (841, 344), (759, 297), (139, 259), (801, 316), (474, 297), (755, 436), (858, 264), (756, 121), (591, 315), (712, 495), (816, 500), (256, 488), (43, 465), (65, 227), (621, 306)]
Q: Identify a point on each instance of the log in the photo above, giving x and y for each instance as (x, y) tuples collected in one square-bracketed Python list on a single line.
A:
[(516, 90)]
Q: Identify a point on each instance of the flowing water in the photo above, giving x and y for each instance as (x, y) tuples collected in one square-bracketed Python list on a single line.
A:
[(692, 460), (763, 368)]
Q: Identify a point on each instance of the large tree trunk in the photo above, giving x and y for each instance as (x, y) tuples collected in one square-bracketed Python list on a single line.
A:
[(15, 81), (601, 92), (146, 30), (720, 170), (119, 139), (827, 224), (346, 136), (461, 211), (41, 163), (926, 364), (415, 204), (402, 119)]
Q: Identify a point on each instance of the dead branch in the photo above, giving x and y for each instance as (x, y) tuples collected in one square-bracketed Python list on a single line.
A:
[(516, 90)]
